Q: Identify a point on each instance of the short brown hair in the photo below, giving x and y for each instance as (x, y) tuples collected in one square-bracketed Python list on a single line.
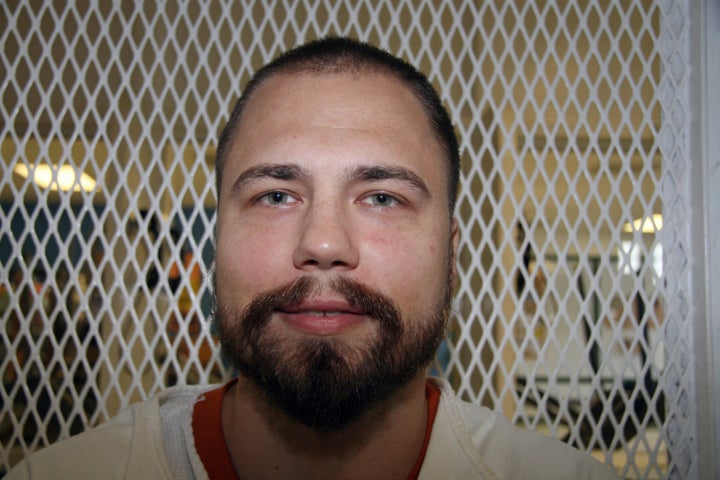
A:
[(342, 54)]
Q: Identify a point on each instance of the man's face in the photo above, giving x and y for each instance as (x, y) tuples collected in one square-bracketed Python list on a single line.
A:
[(334, 247)]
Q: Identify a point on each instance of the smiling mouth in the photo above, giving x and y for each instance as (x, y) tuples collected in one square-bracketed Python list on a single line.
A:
[(322, 321), (321, 309), (311, 313), (323, 313)]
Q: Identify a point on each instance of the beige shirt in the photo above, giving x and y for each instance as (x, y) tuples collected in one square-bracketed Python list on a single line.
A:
[(468, 442)]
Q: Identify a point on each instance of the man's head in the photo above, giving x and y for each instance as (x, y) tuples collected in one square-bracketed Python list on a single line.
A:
[(335, 243), (343, 55)]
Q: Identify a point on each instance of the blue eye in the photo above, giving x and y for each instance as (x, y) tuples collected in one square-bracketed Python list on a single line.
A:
[(276, 198), (382, 200)]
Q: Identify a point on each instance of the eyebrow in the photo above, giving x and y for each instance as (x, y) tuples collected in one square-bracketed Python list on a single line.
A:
[(377, 173), (280, 171), (291, 171)]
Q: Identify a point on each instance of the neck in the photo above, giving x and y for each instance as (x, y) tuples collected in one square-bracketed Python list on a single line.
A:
[(384, 443)]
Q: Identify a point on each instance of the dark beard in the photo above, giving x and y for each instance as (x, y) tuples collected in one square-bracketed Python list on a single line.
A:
[(326, 383)]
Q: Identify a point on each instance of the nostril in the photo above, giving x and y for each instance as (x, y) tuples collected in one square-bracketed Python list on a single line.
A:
[(325, 242)]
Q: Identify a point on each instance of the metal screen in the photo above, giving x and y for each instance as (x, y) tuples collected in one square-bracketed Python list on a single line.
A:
[(573, 307)]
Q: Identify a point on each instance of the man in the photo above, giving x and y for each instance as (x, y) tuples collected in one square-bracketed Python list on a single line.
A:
[(336, 180)]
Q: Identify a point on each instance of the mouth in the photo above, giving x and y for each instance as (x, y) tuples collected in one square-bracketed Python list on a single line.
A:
[(322, 317), (320, 313), (322, 308)]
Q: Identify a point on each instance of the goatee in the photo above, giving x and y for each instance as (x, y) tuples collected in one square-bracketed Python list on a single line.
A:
[(327, 383)]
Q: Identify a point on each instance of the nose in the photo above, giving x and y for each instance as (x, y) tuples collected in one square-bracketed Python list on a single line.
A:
[(326, 241)]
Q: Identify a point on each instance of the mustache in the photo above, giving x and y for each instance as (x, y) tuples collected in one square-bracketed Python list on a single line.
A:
[(376, 305)]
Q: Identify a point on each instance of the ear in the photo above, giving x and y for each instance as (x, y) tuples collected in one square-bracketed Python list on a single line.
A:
[(454, 242)]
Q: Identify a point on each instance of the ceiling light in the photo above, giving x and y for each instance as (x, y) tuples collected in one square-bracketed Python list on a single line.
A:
[(650, 224), (63, 178)]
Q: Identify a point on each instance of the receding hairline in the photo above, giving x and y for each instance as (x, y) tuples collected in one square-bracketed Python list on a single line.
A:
[(285, 79), (347, 56), (352, 64)]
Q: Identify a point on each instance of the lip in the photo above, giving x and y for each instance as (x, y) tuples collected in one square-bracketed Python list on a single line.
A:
[(322, 317)]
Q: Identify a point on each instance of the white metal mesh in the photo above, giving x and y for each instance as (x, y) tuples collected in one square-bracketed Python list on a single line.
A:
[(572, 118)]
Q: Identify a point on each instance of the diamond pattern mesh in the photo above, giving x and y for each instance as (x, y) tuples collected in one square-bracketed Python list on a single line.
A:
[(572, 118)]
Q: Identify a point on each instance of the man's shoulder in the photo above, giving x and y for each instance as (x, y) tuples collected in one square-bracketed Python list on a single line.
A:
[(495, 448), (131, 437), (102, 449)]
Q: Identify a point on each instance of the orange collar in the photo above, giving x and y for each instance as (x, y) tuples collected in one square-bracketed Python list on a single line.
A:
[(213, 451)]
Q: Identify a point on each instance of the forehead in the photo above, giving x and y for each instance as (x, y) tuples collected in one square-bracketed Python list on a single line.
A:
[(368, 117), (367, 101), (342, 93)]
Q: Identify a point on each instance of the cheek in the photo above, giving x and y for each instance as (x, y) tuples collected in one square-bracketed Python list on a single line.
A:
[(411, 269), (246, 263)]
